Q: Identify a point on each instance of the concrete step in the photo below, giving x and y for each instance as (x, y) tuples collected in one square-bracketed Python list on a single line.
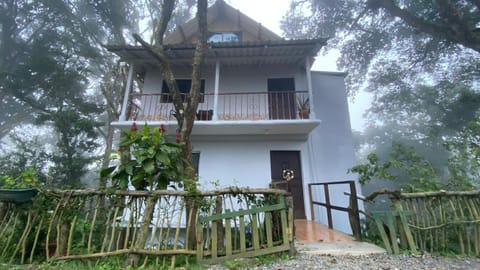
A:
[(352, 248)]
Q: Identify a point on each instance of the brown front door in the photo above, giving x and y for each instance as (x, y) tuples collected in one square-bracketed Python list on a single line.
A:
[(289, 160)]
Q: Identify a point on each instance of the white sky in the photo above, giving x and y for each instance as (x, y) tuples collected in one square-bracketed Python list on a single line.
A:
[(269, 13)]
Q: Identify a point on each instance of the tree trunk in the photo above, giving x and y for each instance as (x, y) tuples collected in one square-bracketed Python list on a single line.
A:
[(185, 115), (133, 258), (191, 110)]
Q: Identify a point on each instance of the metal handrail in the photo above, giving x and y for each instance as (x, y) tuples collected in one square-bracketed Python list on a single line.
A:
[(281, 105)]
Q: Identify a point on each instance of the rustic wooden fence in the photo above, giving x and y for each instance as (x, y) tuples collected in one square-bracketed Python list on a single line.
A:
[(440, 222), (93, 224)]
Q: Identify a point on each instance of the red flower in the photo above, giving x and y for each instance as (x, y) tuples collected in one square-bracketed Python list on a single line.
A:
[(178, 138), (161, 129), (134, 127)]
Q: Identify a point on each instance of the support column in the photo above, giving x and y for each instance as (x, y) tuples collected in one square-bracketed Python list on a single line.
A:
[(216, 89), (128, 87), (309, 86)]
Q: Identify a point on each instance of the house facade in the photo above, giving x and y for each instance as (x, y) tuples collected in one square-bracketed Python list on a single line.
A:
[(250, 129)]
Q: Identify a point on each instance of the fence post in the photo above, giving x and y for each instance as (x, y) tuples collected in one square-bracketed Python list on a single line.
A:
[(291, 224), (310, 196), (220, 233), (328, 206), (353, 214)]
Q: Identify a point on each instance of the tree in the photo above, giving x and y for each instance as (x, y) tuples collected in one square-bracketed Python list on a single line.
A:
[(418, 36), (418, 58), (51, 54), (185, 113)]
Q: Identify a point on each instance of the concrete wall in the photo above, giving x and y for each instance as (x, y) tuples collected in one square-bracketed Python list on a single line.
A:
[(245, 163), (244, 78), (326, 155), (331, 143)]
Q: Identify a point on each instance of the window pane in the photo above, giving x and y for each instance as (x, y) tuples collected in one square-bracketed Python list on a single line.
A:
[(196, 161), (224, 37)]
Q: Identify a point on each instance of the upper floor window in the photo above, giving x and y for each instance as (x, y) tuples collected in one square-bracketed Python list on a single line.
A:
[(225, 37)]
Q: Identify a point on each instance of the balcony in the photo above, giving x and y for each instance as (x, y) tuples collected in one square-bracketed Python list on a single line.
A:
[(241, 113)]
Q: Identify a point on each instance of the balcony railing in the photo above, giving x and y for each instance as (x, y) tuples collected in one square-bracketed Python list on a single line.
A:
[(278, 105)]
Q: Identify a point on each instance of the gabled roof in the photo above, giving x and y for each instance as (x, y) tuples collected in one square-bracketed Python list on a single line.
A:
[(220, 15), (259, 46)]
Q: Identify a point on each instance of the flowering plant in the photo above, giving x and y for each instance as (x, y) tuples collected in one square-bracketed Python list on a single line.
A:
[(149, 162)]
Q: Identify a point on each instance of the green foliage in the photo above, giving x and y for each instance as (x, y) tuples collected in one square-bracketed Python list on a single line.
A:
[(423, 80), (464, 161), (26, 179), (24, 154), (147, 161), (403, 162), (303, 103), (373, 38)]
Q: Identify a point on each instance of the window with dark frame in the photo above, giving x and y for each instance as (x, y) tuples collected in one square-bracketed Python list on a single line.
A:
[(184, 86)]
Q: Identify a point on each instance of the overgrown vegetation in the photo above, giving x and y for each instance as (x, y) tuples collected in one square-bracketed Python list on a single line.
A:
[(147, 161), (422, 77)]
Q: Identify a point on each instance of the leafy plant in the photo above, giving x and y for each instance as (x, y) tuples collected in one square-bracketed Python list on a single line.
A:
[(26, 179), (303, 103), (403, 161), (148, 161)]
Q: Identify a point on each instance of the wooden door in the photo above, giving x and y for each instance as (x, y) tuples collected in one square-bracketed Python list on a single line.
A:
[(289, 160), (281, 98)]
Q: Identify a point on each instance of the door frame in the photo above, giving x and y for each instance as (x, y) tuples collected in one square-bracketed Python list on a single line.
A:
[(281, 98), (284, 158)]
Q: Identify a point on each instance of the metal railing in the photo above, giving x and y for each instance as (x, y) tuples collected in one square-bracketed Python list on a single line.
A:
[(281, 105)]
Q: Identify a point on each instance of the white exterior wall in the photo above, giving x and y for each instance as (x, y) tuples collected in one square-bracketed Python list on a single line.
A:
[(325, 155), (331, 144), (245, 163), (232, 79)]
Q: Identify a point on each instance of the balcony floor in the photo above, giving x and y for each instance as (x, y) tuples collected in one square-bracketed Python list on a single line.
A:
[(300, 127)]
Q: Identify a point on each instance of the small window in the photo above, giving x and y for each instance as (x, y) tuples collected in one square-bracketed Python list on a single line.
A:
[(225, 37), (184, 87), (196, 161)]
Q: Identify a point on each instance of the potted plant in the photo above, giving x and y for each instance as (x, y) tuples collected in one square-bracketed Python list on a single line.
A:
[(303, 106), (18, 189)]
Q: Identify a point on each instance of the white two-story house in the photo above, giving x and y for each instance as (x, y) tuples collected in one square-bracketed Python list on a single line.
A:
[(249, 127)]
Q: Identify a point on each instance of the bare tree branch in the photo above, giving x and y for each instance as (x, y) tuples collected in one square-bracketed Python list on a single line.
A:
[(468, 39), (165, 16), (158, 54), (477, 3), (198, 58)]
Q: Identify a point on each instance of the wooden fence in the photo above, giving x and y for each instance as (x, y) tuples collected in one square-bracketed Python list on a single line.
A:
[(154, 226), (440, 222)]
